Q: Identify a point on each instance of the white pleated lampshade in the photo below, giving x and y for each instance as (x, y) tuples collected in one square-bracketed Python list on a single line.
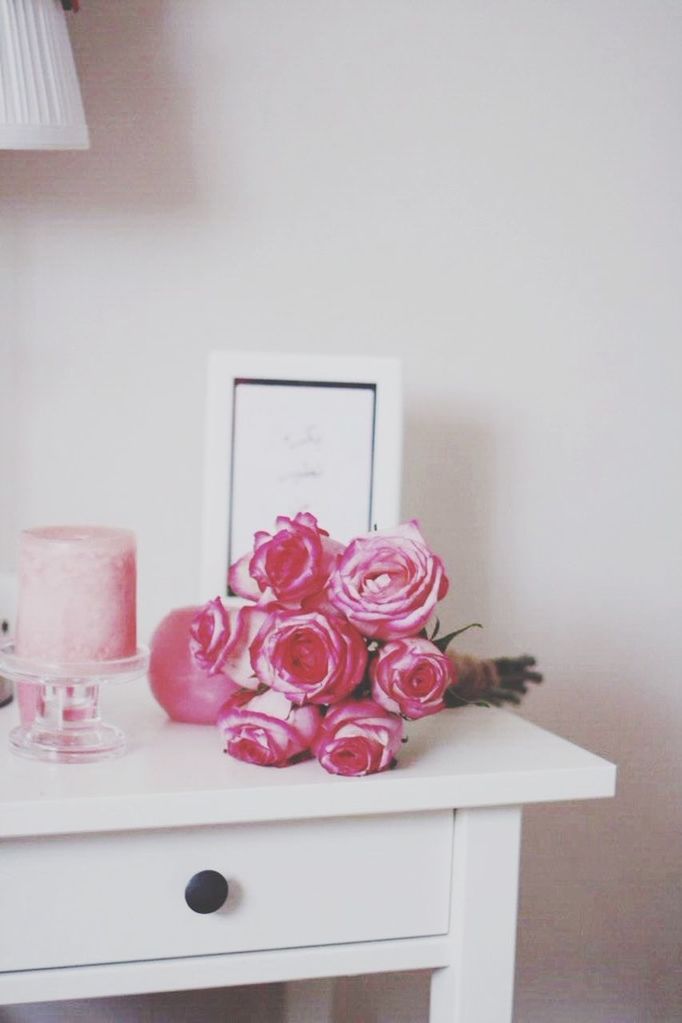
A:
[(40, 99)]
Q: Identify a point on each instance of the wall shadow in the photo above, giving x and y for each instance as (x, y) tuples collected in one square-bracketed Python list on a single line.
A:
[(449, 485), (10, 384), (138, 111), (212, 1005)]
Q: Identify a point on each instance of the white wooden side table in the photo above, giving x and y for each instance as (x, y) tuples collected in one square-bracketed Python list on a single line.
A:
[(416, 868)]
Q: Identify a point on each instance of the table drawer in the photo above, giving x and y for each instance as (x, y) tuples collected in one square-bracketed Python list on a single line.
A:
[(118, 897)]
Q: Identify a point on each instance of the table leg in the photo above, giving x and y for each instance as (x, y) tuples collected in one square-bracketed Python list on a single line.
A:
[(478, 984)]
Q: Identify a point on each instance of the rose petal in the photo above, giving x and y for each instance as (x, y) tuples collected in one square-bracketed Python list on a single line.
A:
[(240, 581), (237, 663)]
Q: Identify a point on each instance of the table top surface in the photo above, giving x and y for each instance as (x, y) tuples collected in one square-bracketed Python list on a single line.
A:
[(176, 775)]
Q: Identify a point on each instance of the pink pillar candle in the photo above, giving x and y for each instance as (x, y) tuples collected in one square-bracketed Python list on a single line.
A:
[(77, 594)]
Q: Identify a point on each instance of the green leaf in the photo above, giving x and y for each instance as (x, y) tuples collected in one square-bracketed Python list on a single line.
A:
[(453, 699), (443, 642), (436, 630)]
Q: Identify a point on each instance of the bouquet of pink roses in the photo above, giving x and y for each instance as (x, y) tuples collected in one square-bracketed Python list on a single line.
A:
[(331, 652)]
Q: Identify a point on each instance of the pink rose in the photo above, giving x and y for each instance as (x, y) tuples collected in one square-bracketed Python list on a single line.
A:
[(185, 690), (358, 737), (220, 639), (292, 564), (410, 676), (311, 657), (211, 635), (387, 584), (267, 729)]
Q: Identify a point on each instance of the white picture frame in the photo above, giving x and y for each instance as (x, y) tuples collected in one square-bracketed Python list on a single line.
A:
[(322, 431)]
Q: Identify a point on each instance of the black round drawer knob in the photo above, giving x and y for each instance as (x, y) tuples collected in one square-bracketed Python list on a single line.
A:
[(206, 892)]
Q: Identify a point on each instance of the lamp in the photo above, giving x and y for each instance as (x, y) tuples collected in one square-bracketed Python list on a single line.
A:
[(40, 100)]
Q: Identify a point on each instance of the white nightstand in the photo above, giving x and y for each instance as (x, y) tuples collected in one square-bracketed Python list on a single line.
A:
[(327, 876)]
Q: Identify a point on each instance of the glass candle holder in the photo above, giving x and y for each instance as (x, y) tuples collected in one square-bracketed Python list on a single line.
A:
[(75, 631), (67, 726)]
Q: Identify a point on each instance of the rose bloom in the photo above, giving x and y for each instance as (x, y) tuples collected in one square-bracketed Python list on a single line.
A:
[(267, 729), (358, 737), (410, 676), (211, 635), (311, 657), (185, 690), (220, 639), (293, 563), (387, 584)]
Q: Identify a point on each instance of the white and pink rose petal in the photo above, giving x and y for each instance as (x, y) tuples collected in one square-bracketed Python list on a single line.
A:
[(266, 729), (212, 634), (291, 564), (241, 582), (311, 657), (411, 676), (237, 663), (388, 583), (358, 737)]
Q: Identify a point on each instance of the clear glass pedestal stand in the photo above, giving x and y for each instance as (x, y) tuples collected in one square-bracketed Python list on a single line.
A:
[(66, 726)]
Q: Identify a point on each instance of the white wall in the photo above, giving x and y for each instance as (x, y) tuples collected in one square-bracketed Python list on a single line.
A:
[(490, 190)]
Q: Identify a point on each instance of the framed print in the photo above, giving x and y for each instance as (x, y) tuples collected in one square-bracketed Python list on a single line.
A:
[(290, 433)]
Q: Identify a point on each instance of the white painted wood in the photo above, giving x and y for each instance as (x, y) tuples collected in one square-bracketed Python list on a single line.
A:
[(223, 369), (478, 985), (176, 775), (81, 844), (113, 897), (223, 970)]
